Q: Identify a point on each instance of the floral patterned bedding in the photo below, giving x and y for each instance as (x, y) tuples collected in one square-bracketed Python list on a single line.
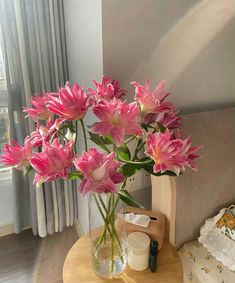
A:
[(200, 267)]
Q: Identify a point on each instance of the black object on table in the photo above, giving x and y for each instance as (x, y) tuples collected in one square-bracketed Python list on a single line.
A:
[(153, 256)]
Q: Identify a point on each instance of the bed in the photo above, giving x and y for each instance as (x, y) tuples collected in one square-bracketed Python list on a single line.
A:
[(201, 267), (190, 199)]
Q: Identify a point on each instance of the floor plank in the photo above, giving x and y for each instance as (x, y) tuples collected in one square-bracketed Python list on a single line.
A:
[(25, 258)]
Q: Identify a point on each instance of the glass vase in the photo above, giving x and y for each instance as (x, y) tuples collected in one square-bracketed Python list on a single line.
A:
[(107, 235)]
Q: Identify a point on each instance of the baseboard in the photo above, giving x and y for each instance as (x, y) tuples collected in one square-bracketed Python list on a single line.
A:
[(78, 228), (6, 229)]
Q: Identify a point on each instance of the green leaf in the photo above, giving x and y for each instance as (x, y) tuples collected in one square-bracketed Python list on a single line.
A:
[(138, 144), (67, 126), (128, 199), (144, 159), (130, 138), (98, 140), (124, 152), (107, 140), (75, 175), (149, 168), (161, 128), (61, 130), (144, 126), (129, 169), (28, 170)]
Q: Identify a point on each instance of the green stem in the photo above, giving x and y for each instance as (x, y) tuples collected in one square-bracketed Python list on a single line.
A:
[(84, 134), (131, 139), (116, 202), (112, 236), (136, 162), (109, 220), (123, 184), (99, 207), (76, 137), (106, 148), (63, 135), (102, 203), (52, 137), (106, 220), (140, 147), (138, 150)]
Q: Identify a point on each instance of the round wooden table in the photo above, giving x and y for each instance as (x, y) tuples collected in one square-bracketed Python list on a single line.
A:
[(77, 267)]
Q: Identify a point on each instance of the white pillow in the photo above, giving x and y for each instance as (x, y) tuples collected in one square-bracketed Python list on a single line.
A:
[(219, 245)]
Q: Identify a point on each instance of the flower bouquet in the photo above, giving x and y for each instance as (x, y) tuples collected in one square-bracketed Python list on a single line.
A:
[(151, 123)]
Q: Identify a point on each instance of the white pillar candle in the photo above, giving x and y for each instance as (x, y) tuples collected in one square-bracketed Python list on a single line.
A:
[(138, 251)]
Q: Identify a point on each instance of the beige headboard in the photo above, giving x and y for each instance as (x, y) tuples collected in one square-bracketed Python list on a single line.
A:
[(189, 199)]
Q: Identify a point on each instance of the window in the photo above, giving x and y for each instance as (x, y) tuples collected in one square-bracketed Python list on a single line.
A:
[(4, 121)]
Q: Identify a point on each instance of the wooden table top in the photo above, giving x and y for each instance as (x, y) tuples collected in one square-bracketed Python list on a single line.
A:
[(77, 267)]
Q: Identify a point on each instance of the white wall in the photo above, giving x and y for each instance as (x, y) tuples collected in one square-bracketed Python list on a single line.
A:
[(190, 43), (83, 26), (85, 59)]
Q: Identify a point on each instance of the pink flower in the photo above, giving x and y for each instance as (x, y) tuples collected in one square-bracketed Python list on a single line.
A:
[(99, 172), (53, 162), (118, 119), (16, 155), (40, 111), (154, 107), (43, 133), (152, 102), (171, 153), (107, 89), (169, 120), (71, 102)]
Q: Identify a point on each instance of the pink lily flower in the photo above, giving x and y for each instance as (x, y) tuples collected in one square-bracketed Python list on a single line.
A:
[(171, 153), (152, 102), (169, 120), (40, 111), (71, 102), (99, 172), (118, 119), (154, 107), (107, 89), (53, 162), (16, 155), (43, 133)]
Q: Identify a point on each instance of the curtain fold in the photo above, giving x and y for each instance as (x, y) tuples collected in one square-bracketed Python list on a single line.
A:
[(34, 50)]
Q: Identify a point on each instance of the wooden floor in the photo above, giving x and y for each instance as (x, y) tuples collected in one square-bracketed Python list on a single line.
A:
[(25, 258)]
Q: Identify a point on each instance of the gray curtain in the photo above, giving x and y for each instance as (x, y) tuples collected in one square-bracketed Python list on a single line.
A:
[(34, 49)]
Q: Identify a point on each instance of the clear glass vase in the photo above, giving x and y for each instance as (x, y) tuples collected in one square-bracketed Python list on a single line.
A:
[(107, 235)]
